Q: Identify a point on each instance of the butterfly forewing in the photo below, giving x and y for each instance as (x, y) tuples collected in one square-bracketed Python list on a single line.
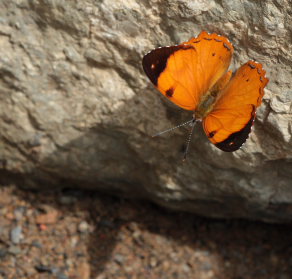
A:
[(185, 72)]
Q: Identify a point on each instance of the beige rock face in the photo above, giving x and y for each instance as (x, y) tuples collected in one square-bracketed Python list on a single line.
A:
[(76, 108)]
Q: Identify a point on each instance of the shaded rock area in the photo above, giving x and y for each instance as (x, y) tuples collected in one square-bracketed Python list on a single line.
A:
[(85, 235), (76, 107)]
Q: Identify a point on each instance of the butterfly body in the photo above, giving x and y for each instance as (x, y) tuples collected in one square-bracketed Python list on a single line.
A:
[(208, 100), (194, 75)]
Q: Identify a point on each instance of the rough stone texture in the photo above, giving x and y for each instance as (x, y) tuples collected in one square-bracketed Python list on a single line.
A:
[(76, 108)]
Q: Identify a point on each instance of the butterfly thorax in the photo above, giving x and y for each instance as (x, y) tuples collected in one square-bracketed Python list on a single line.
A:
[(206, 104)]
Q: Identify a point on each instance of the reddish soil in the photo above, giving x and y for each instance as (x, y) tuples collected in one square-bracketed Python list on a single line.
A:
[(75, 234)]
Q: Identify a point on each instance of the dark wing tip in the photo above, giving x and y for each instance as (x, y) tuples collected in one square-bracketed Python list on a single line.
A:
[(155, 61)]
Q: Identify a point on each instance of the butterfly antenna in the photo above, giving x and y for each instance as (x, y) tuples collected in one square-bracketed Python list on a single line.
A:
[(173, 128), (189, 139)]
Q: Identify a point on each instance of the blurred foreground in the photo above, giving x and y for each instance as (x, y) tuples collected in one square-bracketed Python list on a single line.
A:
[(74, 234)]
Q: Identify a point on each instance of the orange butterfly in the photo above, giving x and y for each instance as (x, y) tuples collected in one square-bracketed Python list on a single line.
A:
[(194, 76)]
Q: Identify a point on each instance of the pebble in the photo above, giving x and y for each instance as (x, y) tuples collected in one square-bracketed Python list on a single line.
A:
[(69, 262), (16, 235), (128, 269), (67, 200), (19, 212), (137, 234), (206, 266), (83, 227), (186, 268), (119, 258), (174, 257), (15, 250), (83, 270), (44, 268), (72, 228), (37, 244), (153, 262), (73, 242), (50, 217), (55, 270), (61, 276), (3, 253)]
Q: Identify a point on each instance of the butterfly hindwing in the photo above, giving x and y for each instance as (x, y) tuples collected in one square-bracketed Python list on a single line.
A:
[(229, 123)]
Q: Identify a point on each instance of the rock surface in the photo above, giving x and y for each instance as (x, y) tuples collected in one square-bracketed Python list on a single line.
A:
[(76, 107)]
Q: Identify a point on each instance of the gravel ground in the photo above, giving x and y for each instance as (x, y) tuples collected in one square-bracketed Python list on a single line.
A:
[(74, 234)]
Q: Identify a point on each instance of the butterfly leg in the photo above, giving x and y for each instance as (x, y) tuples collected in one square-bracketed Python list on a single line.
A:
[(192, 123)]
